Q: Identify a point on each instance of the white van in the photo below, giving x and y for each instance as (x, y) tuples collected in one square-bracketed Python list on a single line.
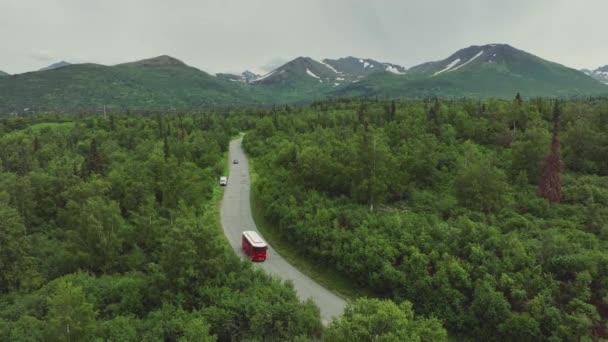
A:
[(223, 181)]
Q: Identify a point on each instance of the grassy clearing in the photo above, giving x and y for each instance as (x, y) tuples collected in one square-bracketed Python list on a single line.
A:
[(328, 278)]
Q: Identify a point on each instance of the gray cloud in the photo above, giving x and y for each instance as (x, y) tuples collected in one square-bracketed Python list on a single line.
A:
[(272, 64), (234, 35), (42, 56)]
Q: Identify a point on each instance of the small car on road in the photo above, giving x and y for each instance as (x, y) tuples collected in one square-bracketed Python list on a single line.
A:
[(235, 161), (223, 181)]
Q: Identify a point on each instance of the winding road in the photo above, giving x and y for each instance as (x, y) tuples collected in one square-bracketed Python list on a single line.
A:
[(236, 217)]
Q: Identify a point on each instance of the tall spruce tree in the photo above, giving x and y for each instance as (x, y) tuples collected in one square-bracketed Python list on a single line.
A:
[(94, 160), (518, 99), (166, 148), (36, 144), (433, 117), (550, 185)]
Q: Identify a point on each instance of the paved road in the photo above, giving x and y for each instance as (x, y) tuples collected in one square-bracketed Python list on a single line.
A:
[(236, 217)]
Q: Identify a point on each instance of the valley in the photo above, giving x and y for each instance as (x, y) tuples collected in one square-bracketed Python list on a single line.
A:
[(306, 171)]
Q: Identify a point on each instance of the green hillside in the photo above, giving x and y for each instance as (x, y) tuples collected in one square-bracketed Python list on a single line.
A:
[(161, 83), (2, 73)]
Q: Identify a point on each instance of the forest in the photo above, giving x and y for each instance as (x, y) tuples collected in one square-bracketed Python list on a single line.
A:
[(109, 231), (484, 220), (490, 216)]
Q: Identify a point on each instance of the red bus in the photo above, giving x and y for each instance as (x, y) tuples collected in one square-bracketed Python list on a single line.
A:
[(254, 246)]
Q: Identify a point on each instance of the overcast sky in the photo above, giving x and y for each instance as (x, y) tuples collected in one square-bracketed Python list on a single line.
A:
[(233, 35)]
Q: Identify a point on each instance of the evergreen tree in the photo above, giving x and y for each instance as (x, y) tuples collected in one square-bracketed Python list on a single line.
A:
[(112, 126), (518, 99), (370, 186), (94, 160), (159, 121), (166, 148), (550, 185), (182, 132), (36, 144), (433, 116), (518, 116)]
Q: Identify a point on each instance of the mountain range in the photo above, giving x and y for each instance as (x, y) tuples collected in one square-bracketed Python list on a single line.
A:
[(494, 70), (245, 77), (2, 73), (166, 83), (600, 74)]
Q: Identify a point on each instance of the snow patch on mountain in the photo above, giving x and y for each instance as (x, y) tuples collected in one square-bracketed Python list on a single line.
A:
[(394, 70), (600, 74), (448, 67), (469, 61), (329, 66), (311, 73), (266, 76)]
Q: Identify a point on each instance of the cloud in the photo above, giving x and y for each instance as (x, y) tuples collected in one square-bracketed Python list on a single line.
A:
[(42, 56), (233, 35), (273, 64)]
